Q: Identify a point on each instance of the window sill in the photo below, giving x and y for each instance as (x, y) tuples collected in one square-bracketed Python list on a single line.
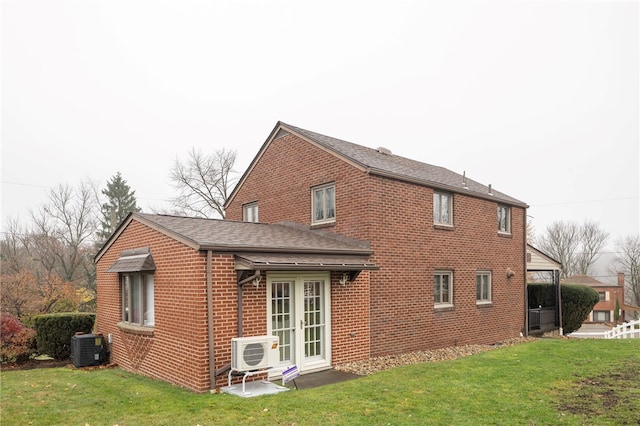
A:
[(486, 304), (444, 308), (322, 225), (135, 329), (505, 234), (443, 227)]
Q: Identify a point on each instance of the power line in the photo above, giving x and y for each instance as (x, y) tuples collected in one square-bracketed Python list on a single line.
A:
[(26, 184), (584, 201)]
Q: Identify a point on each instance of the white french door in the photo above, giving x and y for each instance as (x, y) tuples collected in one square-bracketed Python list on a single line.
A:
[(298, 310)]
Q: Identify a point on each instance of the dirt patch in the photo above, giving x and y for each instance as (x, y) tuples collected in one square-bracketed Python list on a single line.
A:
[(606, 395)]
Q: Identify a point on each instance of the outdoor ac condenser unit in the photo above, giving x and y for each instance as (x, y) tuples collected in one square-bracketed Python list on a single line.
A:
[(87, 350), (254, 353)]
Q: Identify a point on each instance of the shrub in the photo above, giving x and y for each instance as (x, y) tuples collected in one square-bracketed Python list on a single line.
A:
[(577, 302), (17, 342), (541, 295), (54, 332)]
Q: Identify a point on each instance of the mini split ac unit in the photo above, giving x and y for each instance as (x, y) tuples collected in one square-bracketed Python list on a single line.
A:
[(254, 353)]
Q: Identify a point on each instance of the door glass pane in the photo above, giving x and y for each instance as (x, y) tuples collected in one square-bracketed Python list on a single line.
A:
[(314, 319), (282, 317)]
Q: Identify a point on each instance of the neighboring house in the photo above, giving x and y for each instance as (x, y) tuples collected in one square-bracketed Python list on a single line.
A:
[(360, 253), (603, 311), (542, 268)]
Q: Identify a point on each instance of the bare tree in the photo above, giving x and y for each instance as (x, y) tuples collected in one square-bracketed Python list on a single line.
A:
[(592, 240), (204, 182), (561, 241), (63, 231), (13, 253), (628, 261)]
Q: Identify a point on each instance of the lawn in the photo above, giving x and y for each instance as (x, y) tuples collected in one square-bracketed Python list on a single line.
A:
[(544, 382)]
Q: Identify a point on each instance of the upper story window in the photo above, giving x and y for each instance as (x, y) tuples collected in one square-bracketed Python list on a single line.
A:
[(443, 288), (483, 287), (442, 208), (504, 219), (323, 199), (602, 295), (250, 212), (137, 299)]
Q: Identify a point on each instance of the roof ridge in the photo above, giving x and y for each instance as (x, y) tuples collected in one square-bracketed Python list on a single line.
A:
[(404, 168)]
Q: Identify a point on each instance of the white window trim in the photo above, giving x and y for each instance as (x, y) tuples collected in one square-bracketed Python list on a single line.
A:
[(490, 289), (141, 299), (508, 221), (449, 195), (253, 206), (449, 304), (313, 204)]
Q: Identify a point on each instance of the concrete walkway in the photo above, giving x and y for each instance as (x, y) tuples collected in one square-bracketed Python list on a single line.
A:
[(591, 331)]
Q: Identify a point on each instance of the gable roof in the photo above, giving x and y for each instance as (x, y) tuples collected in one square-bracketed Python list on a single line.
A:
[(235, 237), (382, 163), (540, 260), (585, 280)]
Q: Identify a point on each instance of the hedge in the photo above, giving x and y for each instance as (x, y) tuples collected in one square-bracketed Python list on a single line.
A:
[(541, 295), (577, 302), (54, 332)]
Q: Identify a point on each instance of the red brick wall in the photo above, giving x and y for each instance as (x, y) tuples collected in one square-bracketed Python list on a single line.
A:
[(178, 349), (350, 319), (615, 293), (397, 218)]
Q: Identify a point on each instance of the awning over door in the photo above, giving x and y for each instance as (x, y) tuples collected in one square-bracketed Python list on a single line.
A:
[(302, 262), (135, 260)]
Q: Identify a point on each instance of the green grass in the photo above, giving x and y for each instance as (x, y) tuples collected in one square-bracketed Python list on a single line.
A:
[(545, 382)]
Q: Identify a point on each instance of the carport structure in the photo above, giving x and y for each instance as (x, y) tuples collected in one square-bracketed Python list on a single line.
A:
[(543, 269)]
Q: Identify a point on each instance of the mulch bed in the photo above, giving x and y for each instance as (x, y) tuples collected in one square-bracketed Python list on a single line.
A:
[(38, 363)]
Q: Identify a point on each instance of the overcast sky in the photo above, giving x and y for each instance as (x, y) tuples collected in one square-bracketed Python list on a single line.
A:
[(539, 99)]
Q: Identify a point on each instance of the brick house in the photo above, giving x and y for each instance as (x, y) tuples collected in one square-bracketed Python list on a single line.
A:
[(358, 253), (603, 311), (168, 285)]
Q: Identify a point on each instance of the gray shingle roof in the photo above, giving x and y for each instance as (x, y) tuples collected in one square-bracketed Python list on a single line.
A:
[(582, 279), (402, 168), (277, 261), (227, 235)]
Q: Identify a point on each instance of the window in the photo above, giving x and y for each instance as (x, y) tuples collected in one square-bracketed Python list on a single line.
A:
[(137, 299), (443, 288), (442, 208), (504, 219), (324, 204), (483, 287), (250, 212), (602, 295), (601, 316)]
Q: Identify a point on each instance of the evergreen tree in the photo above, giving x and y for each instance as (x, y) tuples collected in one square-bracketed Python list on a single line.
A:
[(120, 201)]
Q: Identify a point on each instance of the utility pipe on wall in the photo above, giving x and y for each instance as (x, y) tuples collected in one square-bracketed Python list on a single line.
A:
[(212, 369)]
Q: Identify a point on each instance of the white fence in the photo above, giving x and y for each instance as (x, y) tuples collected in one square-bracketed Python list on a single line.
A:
[(626, 330)]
